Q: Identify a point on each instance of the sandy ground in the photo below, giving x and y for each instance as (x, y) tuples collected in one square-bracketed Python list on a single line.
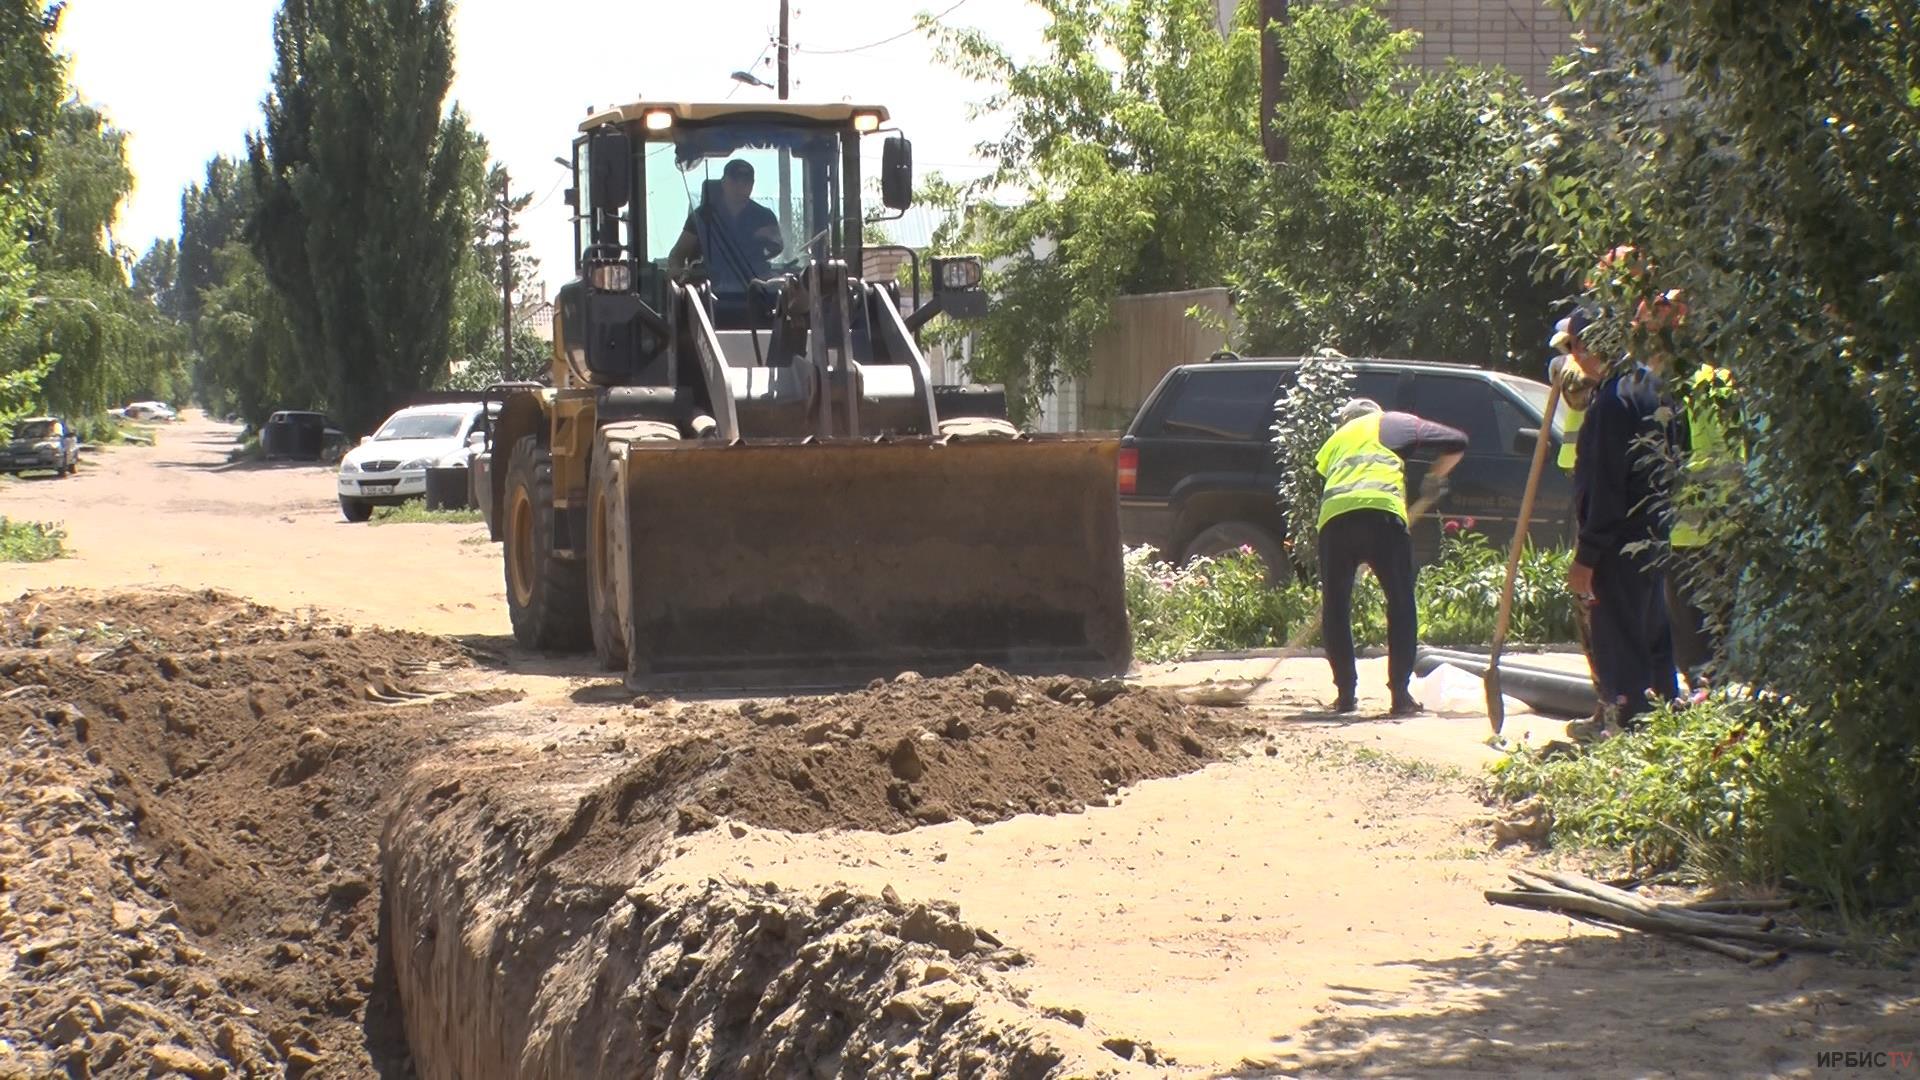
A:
[(178, 514), (1311, 905)]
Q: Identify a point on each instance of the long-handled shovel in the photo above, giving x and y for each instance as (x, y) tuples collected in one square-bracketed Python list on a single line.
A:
[(1496, 709), (1235, 691)]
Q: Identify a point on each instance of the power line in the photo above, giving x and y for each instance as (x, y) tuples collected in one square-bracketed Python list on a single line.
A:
[(914, 29)]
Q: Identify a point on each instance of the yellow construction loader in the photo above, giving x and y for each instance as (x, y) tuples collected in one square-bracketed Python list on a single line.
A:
[(741, 472)]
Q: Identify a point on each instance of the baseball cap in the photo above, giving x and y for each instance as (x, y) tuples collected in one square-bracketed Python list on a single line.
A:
[(1568, 330)]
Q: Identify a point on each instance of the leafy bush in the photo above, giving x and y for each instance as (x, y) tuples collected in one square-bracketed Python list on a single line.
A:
[(1733, 787), (1459, 595), (1226, 603), (31, 541), (100, 429)]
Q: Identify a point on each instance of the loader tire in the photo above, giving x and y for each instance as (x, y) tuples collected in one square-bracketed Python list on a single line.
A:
[(546, 596), (603, 547)]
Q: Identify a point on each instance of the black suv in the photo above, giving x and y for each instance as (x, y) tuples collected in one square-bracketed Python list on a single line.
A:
[(1198, 475)]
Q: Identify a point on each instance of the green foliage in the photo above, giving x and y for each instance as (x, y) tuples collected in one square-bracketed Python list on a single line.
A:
[(1728, 787), (1226, 602), (1396, 224), (245, 343), (1303, 421), (1133, 163), (1217, 603), (1460, 594), (415, 512), (1780, 197), (31, 541), (474, 342), (32, 82), (99, 429), (362, 218), (1133, 142)]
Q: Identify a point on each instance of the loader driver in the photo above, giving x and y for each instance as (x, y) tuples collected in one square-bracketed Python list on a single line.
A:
[(737, 236)]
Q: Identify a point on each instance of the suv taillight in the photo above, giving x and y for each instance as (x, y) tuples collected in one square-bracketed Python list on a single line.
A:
[(1129, 469)]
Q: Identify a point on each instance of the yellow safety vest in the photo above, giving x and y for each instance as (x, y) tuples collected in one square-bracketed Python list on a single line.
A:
[(1570, 425), (1708, 457), (1362, 474)]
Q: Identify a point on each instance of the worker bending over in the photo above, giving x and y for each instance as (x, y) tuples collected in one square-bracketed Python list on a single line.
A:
[(1363, 521)]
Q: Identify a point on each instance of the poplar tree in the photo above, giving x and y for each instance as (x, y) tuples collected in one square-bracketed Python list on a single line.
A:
[(361, 218)]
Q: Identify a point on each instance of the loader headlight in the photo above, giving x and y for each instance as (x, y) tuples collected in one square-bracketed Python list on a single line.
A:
[(658, 119), (864, 122), (610, 277), (958, 272)]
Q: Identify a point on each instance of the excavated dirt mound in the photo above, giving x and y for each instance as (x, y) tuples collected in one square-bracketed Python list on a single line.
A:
[(209, 773), (981, 746)]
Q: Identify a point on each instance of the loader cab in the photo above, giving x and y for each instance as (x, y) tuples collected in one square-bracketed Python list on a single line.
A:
[(717, 198)]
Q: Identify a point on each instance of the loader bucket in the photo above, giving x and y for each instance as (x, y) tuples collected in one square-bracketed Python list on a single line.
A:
[(825, 564)]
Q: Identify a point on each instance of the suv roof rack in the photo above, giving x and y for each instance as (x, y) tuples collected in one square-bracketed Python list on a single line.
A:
[(1228, 356)]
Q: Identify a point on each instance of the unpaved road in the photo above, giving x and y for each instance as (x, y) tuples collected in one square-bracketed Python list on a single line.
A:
[(1297, 906), (178, 514)]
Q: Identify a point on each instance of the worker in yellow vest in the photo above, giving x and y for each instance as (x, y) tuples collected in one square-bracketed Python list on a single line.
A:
[(1363, 521), (1709, 463)]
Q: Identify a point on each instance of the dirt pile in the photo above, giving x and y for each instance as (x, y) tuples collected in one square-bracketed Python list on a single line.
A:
[(224, 764), (980, 746)]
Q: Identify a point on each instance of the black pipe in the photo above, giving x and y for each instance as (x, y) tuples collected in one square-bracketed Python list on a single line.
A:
[(1548, 692)]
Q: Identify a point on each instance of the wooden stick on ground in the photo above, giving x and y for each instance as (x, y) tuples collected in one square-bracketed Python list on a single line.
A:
[(1589, 887), (1661, 923)]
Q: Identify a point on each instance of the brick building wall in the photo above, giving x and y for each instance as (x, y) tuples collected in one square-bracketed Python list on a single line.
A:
[(1523, 36)]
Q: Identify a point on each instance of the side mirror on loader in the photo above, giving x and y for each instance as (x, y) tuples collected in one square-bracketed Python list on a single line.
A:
[(610, 168), (896, 173)]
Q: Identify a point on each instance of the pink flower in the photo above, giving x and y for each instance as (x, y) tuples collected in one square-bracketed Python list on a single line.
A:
[(1450, 527), (1246, 549), (1468, 523)]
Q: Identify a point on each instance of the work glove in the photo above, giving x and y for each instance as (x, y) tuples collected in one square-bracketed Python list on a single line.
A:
[(1432, 488)]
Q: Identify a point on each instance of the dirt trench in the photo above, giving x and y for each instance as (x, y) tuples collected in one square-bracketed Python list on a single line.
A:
[(192, 830)]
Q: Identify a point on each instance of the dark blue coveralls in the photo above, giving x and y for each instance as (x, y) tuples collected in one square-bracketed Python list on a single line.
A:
[(1619, 492)]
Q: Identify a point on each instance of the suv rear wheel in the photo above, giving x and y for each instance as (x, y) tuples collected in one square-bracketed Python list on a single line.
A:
[(1231, 536)]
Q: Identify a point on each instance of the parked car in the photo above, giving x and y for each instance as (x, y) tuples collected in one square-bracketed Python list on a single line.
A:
[(1198, 474), (390, 466), (299, 435), (149, 410), (41, 444)]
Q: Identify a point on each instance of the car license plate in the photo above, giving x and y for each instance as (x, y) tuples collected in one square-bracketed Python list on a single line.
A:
[(377, 485)]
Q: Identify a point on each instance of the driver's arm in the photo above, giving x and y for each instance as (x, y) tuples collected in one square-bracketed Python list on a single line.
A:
[(685, 248)]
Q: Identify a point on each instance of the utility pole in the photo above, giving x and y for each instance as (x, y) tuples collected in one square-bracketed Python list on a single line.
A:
[(785, 43), (783, 47), (1273, 74), (506, 278)]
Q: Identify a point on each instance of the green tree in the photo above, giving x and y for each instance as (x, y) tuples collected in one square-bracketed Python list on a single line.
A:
[(111, 344), (156, 277), (244, 338), (32, 81), (1396, 225), (1134, 147), (1780, 196), (362, 220)]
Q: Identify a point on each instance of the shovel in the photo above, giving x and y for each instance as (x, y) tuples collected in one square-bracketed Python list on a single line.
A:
[(1496, 708), (1235, 691)]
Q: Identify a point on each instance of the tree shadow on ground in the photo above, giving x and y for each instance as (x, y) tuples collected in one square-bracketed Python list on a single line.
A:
[(1636, 1005)]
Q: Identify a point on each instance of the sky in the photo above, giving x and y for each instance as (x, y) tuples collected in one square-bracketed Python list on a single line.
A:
[(185, 79)]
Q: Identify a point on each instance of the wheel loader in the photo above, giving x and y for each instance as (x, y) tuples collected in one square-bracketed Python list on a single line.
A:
[(740, 472)]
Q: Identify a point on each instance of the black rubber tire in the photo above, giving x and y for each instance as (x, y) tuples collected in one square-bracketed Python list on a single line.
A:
[(355, 510), (609, 635), (1231, 536), (549, 608)]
